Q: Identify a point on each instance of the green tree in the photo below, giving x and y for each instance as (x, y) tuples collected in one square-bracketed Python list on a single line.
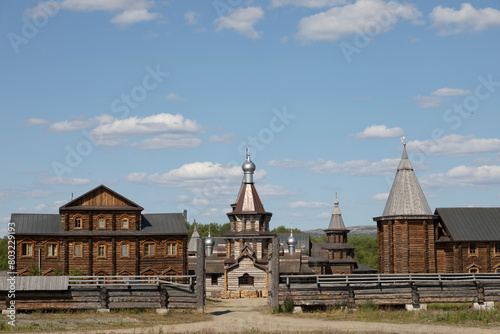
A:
[(366, 249), (216, 229), (4, 253), (283, 229), (321, 238), (34, 269)]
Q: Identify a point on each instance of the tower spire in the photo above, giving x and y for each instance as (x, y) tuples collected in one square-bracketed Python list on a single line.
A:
[(248, 168)]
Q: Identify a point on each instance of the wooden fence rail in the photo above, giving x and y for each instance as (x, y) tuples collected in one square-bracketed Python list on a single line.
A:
[(103, 292), (389, 289)]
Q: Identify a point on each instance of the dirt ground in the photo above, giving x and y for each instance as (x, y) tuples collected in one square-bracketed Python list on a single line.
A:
[(245, 316)]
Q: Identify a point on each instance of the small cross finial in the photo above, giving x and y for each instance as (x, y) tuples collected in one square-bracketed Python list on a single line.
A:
[(248, 146), (403, 139)]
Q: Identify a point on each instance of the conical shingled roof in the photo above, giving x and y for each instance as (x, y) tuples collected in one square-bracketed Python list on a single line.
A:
[(406, 197), (336, 222), (192, 245), (248, 200)]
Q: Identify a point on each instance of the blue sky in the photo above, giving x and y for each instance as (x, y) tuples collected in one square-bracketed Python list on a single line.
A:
[(158, 100)]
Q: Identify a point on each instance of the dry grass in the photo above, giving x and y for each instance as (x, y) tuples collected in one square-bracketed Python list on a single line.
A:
[(436, 314), (90, 320)]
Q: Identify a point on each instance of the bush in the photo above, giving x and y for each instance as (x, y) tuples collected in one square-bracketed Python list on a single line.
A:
[(34, 269), (288, 303)]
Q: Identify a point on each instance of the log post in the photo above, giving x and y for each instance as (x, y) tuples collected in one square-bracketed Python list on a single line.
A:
[(200, 276), (274, 274), (104, 300)]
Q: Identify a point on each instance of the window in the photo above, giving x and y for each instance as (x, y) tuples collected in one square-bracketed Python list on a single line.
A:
[(497, 248), (214, 279), (497, 270), (472, 249), (51, 250), (101, 223), (124, 250), (78, 222), (473, 270), (125, 223), (101, 251), (27, 249), (171, 249), (77, 252), (149, 249), (245, 280)]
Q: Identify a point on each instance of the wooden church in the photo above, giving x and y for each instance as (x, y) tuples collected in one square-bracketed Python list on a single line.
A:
[(413, 239), (101, 233)]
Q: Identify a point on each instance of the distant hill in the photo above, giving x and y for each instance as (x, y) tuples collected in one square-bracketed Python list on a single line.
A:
[(370, 230)]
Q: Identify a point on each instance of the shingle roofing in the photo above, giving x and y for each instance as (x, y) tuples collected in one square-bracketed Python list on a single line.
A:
[(50, 224), (406, 197), (192, 245), (336, 221), (471, 224)]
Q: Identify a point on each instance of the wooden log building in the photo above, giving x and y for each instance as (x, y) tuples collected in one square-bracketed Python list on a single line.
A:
[(101, 233), (411, 239)]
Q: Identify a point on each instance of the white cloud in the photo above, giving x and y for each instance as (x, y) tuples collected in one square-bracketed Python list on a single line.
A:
[(175, 96), (448, 21), (130, 11), (271, 190), (36, 121), (356, 167), (307, 3), (379, 131), (451, 92), (284, 39), (152, 132), (79, 124), (136, 177), (428, 101), (463, 176), (65, 181), (242, 20), (359, 17), (37, 193), (353, 167), (453, 145), (200, 174), (308, 205), (225, 138), (191, 18), (289, 163), (380, 196), (168, 140)]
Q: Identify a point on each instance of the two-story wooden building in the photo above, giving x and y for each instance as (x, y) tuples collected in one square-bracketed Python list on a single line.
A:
[(101, 233)]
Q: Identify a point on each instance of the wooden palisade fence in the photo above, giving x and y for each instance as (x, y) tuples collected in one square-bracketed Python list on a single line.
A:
[(390, 289)]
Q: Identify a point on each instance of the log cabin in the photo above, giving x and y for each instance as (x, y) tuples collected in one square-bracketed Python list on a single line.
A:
[(101, 233), (413, 239)]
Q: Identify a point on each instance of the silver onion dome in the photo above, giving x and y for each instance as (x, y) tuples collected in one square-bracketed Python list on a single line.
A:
[(209, 241), (291, 241), (248, 168)]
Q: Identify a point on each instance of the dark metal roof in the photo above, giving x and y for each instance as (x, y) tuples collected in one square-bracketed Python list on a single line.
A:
[(35, 223), (163, 223), (50, 224), (302, 240), (103, 207), (333, 245), (362, 269), (471, 224)]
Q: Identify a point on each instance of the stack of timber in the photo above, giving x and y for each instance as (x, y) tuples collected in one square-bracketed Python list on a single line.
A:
[(389, 289), (103, 292)]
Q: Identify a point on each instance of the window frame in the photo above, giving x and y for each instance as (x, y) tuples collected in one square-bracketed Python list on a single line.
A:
[(103, 227), (104, 246), (171, 247), (55, 246), (31, 248), (80, 245), (126, 227), (80, 225), (246, 280), (473, 250), (128, 250), (147, 246), (497, 249), (473, 270)]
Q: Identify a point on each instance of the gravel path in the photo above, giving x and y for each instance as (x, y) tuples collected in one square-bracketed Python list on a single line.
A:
[(240, 316)]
